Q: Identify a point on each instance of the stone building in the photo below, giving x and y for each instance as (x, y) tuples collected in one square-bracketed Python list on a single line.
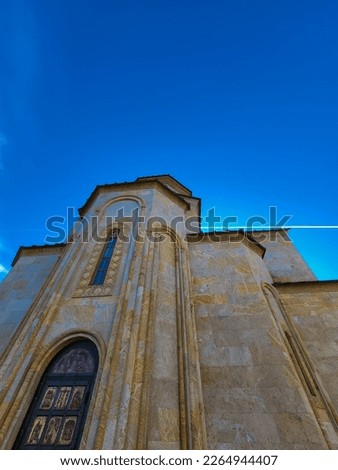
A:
[(141, 332)]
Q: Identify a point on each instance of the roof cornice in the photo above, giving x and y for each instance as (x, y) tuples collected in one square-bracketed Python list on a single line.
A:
[(306, 286), (178, 187)]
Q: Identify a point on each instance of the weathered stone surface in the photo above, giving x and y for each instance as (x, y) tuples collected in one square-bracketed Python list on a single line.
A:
[(313, 310), (19, 290), (282, 259)]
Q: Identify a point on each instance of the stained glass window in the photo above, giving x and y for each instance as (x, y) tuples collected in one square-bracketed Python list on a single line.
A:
[(75, 361), (58, 411), (102, 267)]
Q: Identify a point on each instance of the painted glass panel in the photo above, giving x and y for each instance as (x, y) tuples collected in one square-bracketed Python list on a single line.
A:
[(68, 430), (52, 430), (77, 397), (48, 398), (63, 398), (37, 430)]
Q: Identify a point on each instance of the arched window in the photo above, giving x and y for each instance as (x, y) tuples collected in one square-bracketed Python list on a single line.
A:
[(56, 417), (102, 267)]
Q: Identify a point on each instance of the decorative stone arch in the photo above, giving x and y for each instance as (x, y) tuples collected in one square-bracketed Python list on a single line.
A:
[(130, 226), (57, 414), (124, 247), (157, 234), (100, 211), (90, 226), (103, 228)]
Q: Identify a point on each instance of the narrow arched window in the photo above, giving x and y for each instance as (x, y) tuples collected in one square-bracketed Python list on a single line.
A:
[(56, 417), (107, 253)]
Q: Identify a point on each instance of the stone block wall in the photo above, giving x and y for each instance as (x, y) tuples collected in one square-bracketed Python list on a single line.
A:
[(313, 310), (253, 396), (19, 290), (282, 259)]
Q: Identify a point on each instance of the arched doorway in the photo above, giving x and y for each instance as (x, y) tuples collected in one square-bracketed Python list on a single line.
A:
[(56, 417)]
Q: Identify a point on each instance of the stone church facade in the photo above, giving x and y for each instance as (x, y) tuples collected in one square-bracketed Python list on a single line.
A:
[(142, 332)]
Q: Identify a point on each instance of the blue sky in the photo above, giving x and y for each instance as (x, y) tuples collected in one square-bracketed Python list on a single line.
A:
[(236, 99)]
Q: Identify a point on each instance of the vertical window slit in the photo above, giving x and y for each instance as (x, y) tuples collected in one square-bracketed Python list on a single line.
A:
[(107, 253)]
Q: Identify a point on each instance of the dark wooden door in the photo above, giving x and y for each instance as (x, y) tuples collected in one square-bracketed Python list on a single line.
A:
[(58, 411)]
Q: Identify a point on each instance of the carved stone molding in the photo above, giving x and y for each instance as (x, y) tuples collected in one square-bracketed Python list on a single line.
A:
[(84, 288)]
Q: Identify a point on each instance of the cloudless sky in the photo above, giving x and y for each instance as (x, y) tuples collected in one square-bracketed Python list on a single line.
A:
[(237, 99)]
